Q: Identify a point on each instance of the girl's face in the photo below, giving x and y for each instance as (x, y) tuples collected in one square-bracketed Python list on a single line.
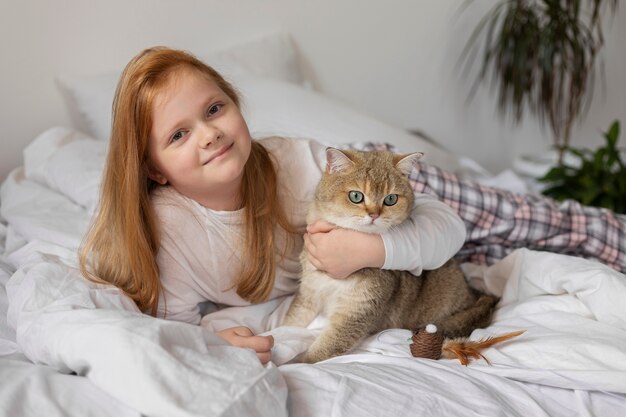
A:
[(199, 141)]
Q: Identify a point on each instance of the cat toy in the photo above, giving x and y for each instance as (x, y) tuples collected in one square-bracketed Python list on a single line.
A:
[(429, 343)]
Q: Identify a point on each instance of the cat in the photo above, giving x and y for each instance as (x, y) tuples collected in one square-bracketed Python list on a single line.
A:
[(370, 192)]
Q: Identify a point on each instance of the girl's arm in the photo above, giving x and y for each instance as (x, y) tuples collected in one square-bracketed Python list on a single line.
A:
[(189, 266), (340, 252), (426, 240)]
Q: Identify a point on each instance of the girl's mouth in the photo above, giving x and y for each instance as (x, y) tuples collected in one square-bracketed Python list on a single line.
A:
[(221, 152)]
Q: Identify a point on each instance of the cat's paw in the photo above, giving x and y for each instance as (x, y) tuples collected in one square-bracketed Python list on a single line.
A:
[(298, 318), (293, 321), (315, 355), (311, 358)]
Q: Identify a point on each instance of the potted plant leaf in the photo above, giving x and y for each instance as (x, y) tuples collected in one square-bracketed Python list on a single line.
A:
[(597, 179), (541, 57)]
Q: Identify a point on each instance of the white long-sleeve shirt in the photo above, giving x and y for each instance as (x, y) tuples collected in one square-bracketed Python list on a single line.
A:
[(199, 257)]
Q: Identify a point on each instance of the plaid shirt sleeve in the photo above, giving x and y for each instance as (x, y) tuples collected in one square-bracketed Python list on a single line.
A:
[(498, 221)]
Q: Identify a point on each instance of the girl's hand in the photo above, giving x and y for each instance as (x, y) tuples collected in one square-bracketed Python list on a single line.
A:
[(243, 337), (340, 252)]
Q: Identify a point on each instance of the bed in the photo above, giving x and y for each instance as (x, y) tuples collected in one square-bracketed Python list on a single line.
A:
[(69, 347)]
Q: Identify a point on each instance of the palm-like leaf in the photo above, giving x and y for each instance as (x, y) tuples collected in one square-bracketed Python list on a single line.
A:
[(540, 55)]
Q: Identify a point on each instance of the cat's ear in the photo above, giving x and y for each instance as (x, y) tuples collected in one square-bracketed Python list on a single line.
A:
[(337, 161), (405, 163)]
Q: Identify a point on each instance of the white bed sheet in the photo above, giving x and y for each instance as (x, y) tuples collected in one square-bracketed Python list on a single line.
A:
[(570, 361), (28, 389)]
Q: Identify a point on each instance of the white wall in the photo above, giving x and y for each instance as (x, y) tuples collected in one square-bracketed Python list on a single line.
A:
[(396, 60)]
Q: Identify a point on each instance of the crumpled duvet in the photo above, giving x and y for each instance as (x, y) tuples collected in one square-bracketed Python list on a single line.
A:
[(158, 367), (569, 361)]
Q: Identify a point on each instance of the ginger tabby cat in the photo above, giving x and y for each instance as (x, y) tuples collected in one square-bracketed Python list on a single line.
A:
[(370, 192)]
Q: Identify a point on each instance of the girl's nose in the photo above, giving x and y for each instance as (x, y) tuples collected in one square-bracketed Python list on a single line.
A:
[(208, 135)]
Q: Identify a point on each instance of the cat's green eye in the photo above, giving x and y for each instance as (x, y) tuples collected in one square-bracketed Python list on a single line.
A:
[(355, 196), (390, 200)]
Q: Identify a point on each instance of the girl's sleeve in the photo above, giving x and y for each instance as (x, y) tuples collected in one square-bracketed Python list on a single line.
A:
[(179, 300), (183, 246), (426, 240)]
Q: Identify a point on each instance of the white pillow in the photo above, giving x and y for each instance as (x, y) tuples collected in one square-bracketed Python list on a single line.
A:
[(89, 101), (266, 73), (273, 107), (69, 162), (89, 98)]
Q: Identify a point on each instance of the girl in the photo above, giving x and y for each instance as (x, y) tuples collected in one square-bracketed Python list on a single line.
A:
[(193, 210)]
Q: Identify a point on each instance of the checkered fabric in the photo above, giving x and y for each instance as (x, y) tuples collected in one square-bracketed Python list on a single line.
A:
[(499, 221)]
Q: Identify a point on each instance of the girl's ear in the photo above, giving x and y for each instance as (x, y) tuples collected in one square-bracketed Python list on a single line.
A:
[(337, 161), (405, 163), (156, 176)]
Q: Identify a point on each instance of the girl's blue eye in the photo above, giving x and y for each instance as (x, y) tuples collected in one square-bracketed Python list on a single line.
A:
[(390, 200), (214, 109), (178, 136), (355, 196)]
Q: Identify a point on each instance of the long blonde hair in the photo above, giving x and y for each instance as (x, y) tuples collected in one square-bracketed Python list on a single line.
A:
[(122, 243)]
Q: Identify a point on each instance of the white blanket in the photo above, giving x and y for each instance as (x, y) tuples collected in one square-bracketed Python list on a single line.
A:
[(570, 308), (570, 360), (152, 365)]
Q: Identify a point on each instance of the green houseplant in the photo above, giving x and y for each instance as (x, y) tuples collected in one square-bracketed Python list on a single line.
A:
[(541, 57), (599, 178)]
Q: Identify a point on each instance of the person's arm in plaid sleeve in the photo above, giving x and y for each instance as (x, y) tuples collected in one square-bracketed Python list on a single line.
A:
[(432, 235)]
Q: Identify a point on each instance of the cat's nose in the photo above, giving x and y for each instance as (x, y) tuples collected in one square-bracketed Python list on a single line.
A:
[(374, 216)]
